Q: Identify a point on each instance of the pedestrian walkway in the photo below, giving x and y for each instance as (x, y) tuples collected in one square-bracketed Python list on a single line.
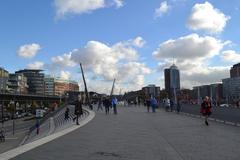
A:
[(54, 125), (134, 134)]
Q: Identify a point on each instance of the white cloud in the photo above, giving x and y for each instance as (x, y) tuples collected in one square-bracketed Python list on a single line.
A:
[(103, 59), (70, 7), (192, 54), (64, 7), (163, 8), (28, 50), (36, 65), (65, 75), (138, 42), (207, 18), (104, 62), (63, 61), (133, 72), (189, 47), (230, 56), (108, 62), (118, 3), (209, 75)]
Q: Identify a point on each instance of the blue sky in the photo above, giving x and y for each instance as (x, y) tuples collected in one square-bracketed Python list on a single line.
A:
[(57, 28)]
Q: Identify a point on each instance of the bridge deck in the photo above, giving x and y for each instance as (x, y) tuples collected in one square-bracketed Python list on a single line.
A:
[(134, 134)]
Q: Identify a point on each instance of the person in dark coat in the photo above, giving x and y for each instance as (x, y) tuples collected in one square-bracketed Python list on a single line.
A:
[(107, 104), (178, 105), (148, 104), (66, 113), (206, 109), (78, 110), (100, 104), (171, 105)]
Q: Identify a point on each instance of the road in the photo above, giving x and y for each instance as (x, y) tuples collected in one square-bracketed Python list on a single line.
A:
[(134, 134), (20, 125)]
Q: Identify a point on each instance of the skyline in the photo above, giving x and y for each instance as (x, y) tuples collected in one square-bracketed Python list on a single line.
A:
[(122, 39)]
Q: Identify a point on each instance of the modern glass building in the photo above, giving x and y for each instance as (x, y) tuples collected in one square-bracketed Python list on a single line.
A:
[(48, 85), (172, 81), (35, 80), (17, 84)]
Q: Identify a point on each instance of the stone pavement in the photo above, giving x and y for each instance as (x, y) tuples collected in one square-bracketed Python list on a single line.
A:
[(134, 134)]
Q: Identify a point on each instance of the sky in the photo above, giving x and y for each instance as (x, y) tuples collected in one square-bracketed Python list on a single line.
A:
[(130, 40)]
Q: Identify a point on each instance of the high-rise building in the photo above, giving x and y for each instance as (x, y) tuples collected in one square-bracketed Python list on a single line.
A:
[(35, 80), (61, 86), (172, 81), (48, 85), (151, 90), (17, 84), (235, 71), (231, 86), (4, 75)]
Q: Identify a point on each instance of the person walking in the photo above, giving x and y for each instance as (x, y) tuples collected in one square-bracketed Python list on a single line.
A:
[(37, 125), (66, 114), (153, 102), (206, 109), (106, 104), (178, 105), (100, 104), (78, 110), (171, 105), (167, 104), (114, 105), (148, 104)]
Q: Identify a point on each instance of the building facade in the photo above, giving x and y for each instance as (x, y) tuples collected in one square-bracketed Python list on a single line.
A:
[(213, 91), (231, 86), (199, 92), (216, 93), (35, 80), (172, 81), (231, 89), (4, 76), (151, 90), (235, 71), (62, 86), (17, 84), (48, 85)]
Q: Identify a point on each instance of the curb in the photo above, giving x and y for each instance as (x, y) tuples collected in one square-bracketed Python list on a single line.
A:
[(27, 147), (212, 119)]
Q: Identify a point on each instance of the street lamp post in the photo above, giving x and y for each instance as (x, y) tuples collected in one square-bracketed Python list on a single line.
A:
[(66, 100), (2, 114)]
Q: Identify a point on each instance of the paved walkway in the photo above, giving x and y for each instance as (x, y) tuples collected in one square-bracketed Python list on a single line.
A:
[(134, 134)]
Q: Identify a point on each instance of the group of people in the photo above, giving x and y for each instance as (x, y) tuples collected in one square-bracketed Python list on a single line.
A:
[(205, 110), (78, 111), (152, 103), (169, 104), (107, 103)]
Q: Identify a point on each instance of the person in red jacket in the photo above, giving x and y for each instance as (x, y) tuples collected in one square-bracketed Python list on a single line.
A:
[(206, 109)]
